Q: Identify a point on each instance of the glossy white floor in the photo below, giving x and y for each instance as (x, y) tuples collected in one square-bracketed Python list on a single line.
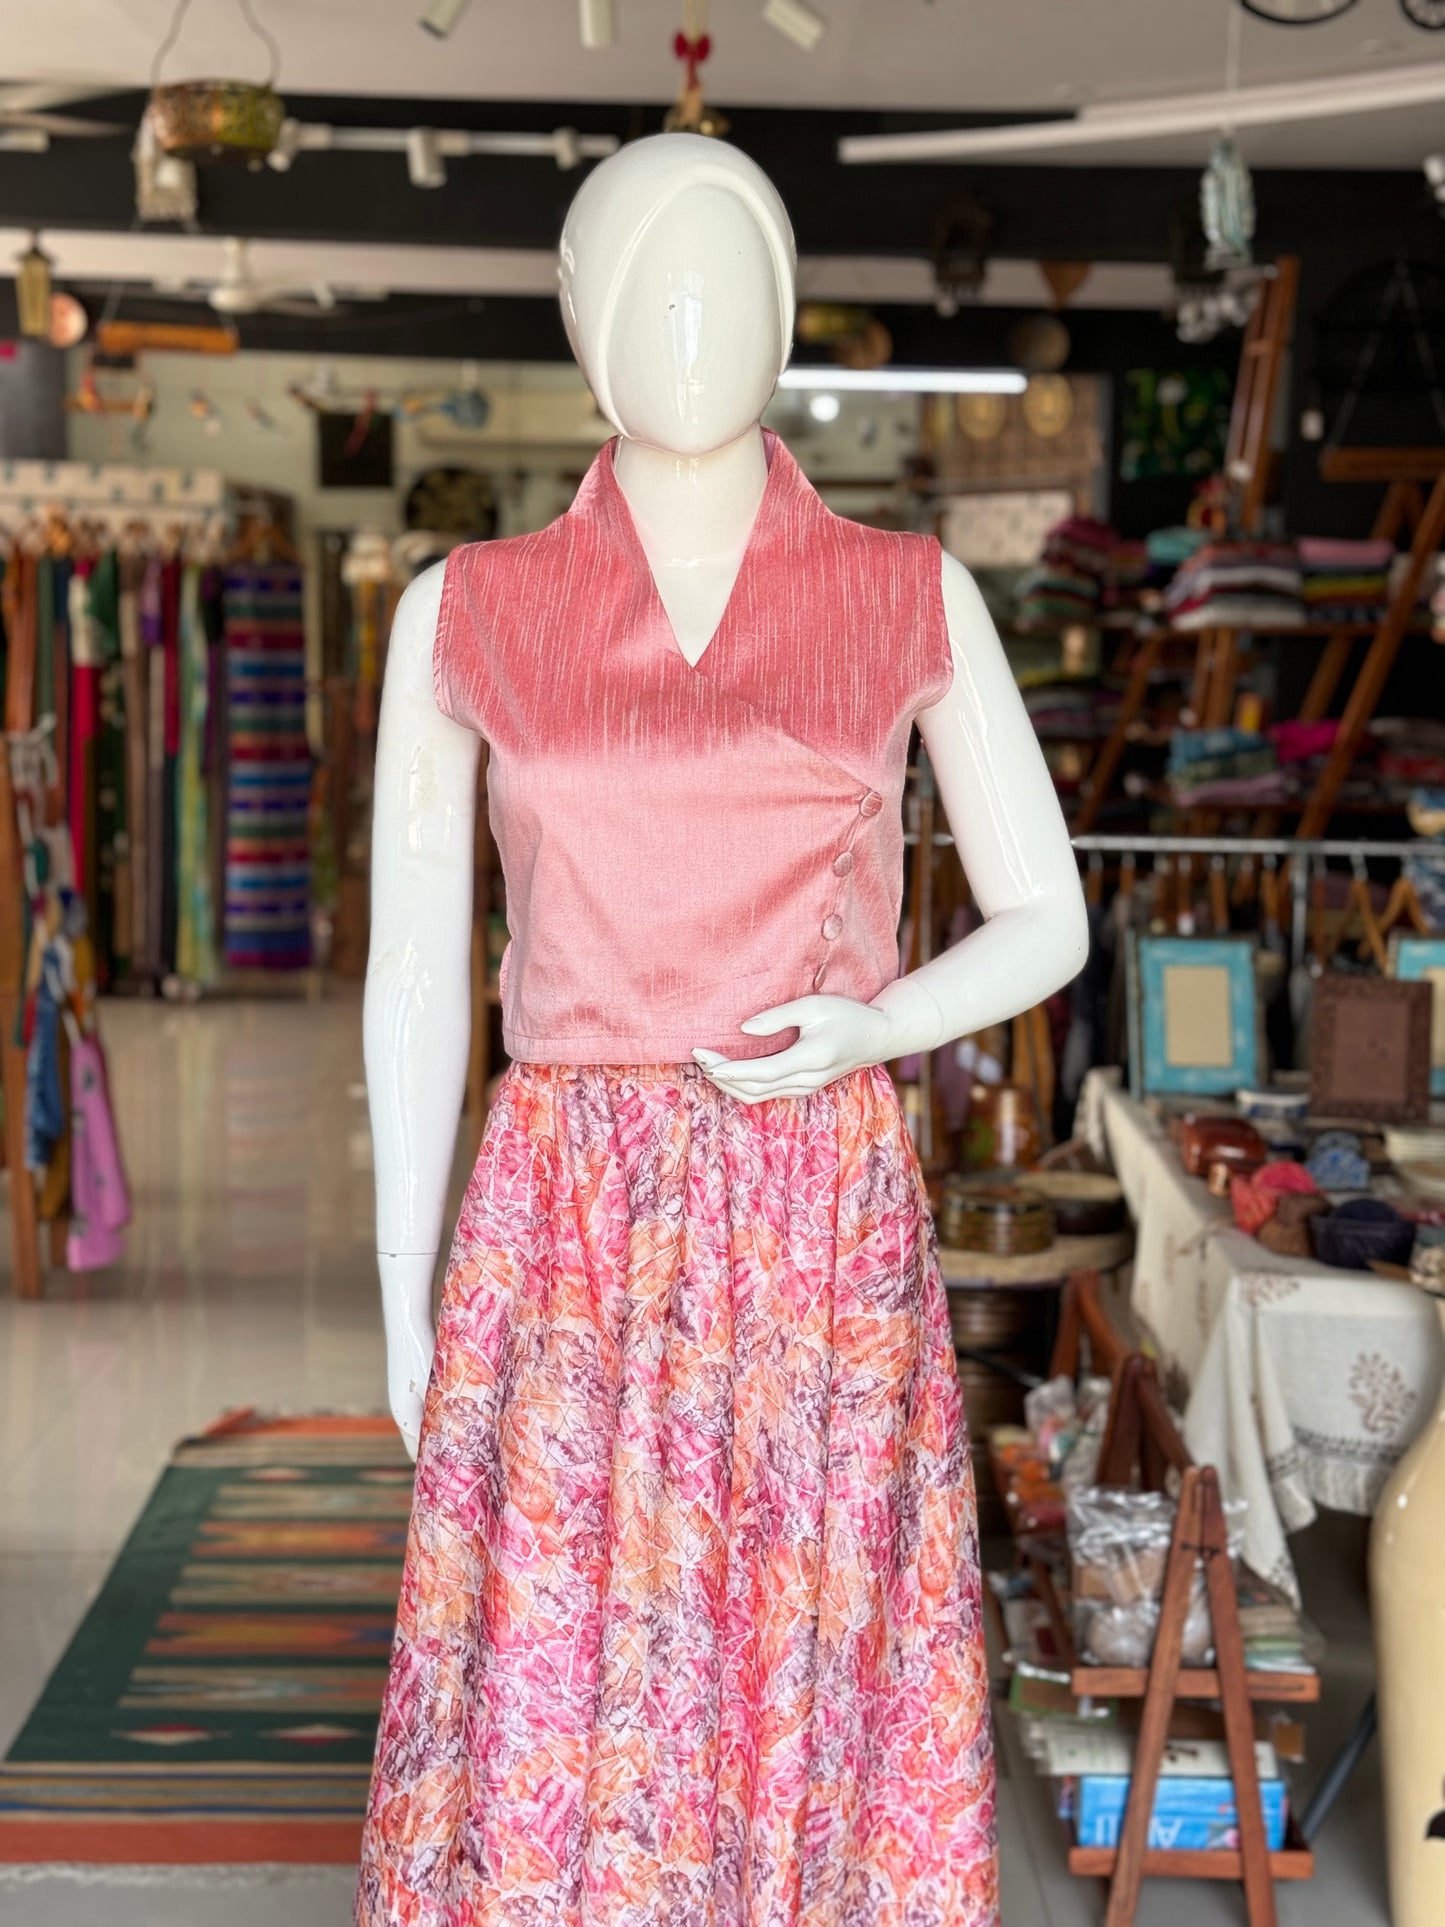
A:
[(249, 1281)]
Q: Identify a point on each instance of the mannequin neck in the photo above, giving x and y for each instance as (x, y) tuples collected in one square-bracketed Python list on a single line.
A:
[(693, 508)]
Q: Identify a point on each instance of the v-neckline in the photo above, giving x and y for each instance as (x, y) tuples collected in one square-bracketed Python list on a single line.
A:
[(775, 455)]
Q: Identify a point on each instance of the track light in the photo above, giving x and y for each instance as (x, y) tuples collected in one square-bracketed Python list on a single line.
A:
[(595, 17), (796, 20), (441, 16), (424, 162)]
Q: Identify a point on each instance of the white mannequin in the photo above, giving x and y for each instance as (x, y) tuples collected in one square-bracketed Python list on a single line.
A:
[(678, 296)]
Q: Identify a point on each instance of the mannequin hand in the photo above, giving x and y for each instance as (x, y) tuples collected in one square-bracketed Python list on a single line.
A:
[(406, 1282), (835, 1036)]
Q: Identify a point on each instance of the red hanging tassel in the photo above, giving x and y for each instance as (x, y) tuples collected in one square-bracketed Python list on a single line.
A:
[(693, 52)]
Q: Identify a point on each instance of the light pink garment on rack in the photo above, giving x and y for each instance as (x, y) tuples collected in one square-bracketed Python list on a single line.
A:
[(100, 1198)]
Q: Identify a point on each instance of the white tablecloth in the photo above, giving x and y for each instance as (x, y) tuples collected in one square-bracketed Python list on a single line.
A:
[(1302, 1384)]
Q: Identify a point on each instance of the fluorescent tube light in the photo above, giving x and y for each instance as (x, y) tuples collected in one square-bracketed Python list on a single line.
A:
[(797, 21), (1092, 126), (906, 381), (596, 22)]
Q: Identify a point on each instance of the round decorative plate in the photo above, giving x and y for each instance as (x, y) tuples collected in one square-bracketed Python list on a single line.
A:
[(1426, 14)]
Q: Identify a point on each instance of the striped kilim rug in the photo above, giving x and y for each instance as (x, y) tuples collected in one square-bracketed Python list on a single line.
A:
[(219, 1702)]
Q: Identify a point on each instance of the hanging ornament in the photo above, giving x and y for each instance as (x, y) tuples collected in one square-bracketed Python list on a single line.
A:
[(1049, 405), (1065, 278), (1226, 207), (205, 412), (981, 417), (961, 236), (32, 290), (690, 113)]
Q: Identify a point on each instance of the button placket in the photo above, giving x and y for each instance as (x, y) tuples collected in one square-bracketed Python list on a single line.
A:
[(870, 803)]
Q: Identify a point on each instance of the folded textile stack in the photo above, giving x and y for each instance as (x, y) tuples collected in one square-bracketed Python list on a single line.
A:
[(1126, 580), (1066, 584), (1237, 585), (1223, 767), (1345, 582), (1170, 549), (1075, 711)]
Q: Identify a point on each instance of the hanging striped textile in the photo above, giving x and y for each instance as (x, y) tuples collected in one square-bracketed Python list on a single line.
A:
[(268, 861)]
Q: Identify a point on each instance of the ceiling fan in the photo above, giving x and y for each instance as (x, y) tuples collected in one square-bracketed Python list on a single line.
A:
[(28, 121), (239, 291)]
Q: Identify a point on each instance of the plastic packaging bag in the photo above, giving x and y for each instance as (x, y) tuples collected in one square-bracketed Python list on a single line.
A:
[(1119, 1543)]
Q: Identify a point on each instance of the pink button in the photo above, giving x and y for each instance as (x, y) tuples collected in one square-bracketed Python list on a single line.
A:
[(842, 863), (833, 927), (870, 803), (820, 976)]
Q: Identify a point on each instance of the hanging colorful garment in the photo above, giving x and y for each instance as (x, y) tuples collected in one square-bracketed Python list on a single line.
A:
[(195, 937), (268, 867), (99, 1197)]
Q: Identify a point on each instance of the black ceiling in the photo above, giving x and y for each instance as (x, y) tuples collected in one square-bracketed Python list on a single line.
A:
[(1336, 220), (1113, 213)]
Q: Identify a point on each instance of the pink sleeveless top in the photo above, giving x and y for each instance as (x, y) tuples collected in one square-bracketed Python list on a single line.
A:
[(685, 847)]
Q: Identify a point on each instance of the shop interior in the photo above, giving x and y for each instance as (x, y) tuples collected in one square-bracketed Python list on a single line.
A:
[(1139, 309)]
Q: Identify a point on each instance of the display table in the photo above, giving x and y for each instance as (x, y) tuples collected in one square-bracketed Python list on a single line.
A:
[(1304, 1384)]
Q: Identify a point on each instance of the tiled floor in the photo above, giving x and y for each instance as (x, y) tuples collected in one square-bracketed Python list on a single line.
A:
[(249, 1281)]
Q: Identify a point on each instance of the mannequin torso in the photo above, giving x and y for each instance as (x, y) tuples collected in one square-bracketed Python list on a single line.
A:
[(680, 315)]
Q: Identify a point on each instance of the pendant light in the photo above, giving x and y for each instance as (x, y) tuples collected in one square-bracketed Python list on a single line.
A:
[(32, 290), (1226, 192)]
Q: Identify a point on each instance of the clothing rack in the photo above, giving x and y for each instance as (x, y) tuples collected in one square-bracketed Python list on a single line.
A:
[(82, 511)]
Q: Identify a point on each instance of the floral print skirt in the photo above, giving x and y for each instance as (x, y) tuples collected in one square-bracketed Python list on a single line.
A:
[(690, 1630)]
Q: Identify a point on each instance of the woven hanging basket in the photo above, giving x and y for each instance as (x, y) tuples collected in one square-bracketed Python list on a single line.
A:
[(217, 120)]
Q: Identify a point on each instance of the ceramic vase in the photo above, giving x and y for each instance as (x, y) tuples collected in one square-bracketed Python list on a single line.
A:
[(1407, 1591)]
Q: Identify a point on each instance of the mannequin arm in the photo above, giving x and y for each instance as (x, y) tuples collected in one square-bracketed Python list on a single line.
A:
[(417, 1013), (1015, 851)]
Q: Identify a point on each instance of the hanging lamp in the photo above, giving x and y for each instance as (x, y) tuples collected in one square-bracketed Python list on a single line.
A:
[(217, 120), (32, 291)]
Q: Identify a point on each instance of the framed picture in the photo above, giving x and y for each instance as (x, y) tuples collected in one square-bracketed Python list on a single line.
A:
[(1193, 1016), (1370, 1048), (1416, 960)]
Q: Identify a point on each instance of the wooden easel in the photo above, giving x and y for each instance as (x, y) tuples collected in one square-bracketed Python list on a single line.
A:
[(19, 716), (1403, 471), (1142, 1437), (1248, 462)]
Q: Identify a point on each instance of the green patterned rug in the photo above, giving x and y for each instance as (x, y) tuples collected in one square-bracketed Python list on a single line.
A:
[(219, 1702)]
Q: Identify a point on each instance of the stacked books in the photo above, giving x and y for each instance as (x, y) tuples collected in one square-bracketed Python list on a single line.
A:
[(1194, 1801)]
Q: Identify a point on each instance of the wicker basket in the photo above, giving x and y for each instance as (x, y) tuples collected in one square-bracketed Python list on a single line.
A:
[(1005, 1220)]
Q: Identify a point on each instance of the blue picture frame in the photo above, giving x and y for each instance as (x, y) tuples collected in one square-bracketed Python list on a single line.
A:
[(1193, 1035), (1422, 960)]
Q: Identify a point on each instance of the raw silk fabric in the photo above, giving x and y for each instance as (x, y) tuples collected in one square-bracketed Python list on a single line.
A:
[(685, 846), (690, 1629)]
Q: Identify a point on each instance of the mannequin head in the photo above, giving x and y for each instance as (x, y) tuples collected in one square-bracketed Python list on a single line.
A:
[(677, 267)]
